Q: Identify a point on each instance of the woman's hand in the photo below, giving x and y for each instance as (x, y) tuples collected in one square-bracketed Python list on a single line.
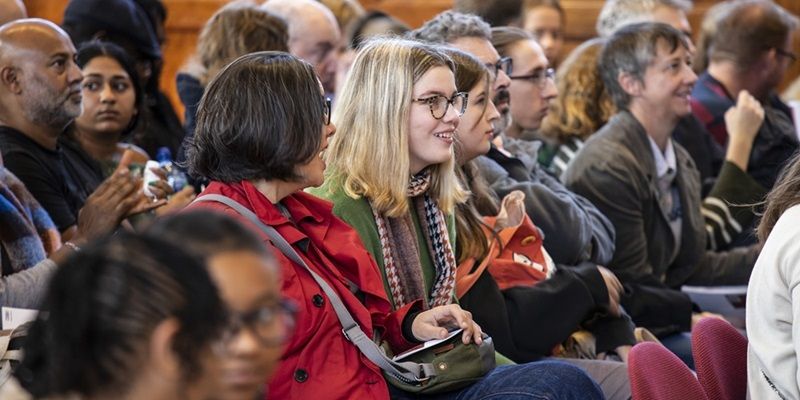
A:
[(178, 201), (160, 190), (438, 321)]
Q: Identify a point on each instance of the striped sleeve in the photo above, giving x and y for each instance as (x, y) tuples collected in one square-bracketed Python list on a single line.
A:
[(729, 209)]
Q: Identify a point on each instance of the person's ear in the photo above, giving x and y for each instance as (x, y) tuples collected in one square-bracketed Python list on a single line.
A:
[(630, 84), (768, 59), (163, 359), (9, 78)]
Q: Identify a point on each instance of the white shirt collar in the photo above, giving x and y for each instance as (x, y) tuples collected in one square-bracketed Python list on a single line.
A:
[(665, 162)]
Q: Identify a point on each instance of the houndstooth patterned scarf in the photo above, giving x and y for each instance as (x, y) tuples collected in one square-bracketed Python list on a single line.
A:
[(399, 242)]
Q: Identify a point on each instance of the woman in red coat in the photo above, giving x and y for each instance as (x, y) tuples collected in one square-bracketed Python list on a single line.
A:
[(318, 361), (261, 129)]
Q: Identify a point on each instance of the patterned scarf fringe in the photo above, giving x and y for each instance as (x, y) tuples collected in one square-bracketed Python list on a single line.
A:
[(406, 286)]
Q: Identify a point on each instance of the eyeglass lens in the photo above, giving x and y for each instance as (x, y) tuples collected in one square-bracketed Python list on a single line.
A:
[(271, 325), (439, 104)]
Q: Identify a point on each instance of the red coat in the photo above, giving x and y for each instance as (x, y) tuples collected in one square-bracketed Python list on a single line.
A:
[(319, 362)]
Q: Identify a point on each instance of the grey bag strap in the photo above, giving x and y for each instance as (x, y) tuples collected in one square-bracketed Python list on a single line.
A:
[(410, 372)]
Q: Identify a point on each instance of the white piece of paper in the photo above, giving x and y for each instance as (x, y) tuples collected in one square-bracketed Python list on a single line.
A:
[(795, 106), (14, 317), (728, 301), (426, 345)]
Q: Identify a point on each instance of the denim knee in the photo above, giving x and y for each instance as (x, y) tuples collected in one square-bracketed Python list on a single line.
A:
[(538, 380), (541, 380)]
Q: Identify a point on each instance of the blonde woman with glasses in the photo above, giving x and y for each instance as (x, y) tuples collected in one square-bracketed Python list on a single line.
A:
[(392, 178)]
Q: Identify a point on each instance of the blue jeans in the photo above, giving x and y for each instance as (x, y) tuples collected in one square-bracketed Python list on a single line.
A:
[(680, 344), (544, 380)]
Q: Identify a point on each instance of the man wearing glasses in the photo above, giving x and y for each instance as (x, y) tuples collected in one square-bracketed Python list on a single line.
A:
[(751, 50), (532, 81)]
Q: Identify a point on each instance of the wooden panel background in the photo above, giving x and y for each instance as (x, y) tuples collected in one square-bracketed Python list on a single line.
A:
[(186, 17)]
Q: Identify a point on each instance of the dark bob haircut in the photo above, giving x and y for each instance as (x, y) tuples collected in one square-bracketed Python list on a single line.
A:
[(101, 309), (260, 118), (98, 48)]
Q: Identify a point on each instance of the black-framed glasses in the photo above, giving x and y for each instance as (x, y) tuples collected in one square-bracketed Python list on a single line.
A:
[(271, 325), (438, 104), (788, 54), (505, 64), (326, 110), (539, 77)]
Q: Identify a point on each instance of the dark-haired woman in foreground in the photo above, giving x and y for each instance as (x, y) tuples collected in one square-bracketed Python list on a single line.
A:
[(128, 318), (248, 278)]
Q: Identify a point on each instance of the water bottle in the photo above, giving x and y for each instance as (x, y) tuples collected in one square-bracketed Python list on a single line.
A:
[(150, 177), (175, 177)]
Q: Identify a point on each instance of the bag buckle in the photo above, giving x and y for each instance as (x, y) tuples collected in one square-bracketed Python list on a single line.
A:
[(345, 330)]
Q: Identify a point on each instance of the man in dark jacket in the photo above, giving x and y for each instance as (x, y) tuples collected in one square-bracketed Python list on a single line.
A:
[(728, 191), (750, 50), (40, 94), (648, 185)]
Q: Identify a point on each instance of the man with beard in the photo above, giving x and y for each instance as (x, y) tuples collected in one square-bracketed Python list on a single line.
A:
[(40, 94), (749, 48), (532, 86), (574, 229)]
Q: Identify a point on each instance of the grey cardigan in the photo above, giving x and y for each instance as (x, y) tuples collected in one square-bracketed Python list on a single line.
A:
[(616, 171), (574, 229), (26, 289)]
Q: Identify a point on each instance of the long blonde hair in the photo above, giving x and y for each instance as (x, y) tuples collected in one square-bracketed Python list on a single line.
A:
[(369, 156)]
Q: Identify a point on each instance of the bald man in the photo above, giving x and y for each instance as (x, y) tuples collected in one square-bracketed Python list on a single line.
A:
[(314, 35), (11, 10), (40, 95)]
